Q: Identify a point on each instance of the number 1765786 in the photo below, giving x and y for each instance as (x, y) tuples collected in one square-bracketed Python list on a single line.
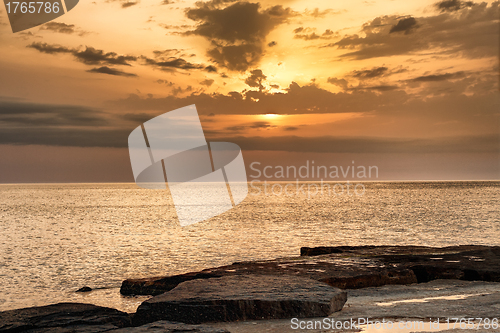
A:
[(32, 7)]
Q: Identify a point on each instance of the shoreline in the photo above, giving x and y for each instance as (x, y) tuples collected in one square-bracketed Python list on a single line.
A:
[(351, 267), (367, 275)]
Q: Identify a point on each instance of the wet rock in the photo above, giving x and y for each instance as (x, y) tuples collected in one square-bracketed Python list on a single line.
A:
[(84, 289), (352, 267), (169, 327), (63, 317), (242, 297)]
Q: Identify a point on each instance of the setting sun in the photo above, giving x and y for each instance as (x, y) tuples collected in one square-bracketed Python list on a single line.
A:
[(271, 116)]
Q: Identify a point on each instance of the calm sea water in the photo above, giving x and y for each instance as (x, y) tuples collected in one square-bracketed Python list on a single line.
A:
[(55, 239)]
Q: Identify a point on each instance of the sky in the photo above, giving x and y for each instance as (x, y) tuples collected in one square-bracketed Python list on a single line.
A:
[(411, 87)]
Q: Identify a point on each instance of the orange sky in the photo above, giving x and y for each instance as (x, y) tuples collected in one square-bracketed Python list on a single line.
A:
[(409, 85)]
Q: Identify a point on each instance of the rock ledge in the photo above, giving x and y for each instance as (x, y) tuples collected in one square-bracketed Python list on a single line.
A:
[(353, 267), (245, 297)]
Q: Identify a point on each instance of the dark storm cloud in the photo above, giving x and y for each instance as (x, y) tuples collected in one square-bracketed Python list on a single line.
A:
[(236, 57), (370, 73), (254, 125), (261, 125), (62, 28), (331, 144), (172, 53), (377, 88), (92, 56), (453, 5), (172, 63), (129, 4), (115, 138), (256, 79), (110, 71), (438, 77), (89, 56), (405, 25), (444, 111), (241, 21), (236, 31), (172, 59), (50, 49), (59, 27), (177, 29), (18, 114), (168, 53), (24, 123), (211, 69), (472, 34), (297, 100)]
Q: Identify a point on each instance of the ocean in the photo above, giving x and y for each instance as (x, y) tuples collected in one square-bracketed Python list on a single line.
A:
[(57, 238)]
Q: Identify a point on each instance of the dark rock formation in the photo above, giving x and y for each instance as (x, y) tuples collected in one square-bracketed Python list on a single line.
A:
[(463, 262), (380, 250), (169, 327), (63, 317), (351, 267), (84, 289), (244, 297), (156, 286), (86, 318)]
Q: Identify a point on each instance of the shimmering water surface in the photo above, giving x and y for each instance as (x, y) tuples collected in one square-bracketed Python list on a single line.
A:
[(55, 239)]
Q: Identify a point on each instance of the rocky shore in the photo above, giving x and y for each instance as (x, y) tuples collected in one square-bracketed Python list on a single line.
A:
[(351, 267), (262, 296)]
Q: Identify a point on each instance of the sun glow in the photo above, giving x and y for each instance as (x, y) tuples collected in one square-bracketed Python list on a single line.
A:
[(271, 116)]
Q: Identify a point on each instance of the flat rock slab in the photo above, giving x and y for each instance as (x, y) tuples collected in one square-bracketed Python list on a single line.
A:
[(353, 267), (418, 302), (164, 326), (63, 317), (243, 297)]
